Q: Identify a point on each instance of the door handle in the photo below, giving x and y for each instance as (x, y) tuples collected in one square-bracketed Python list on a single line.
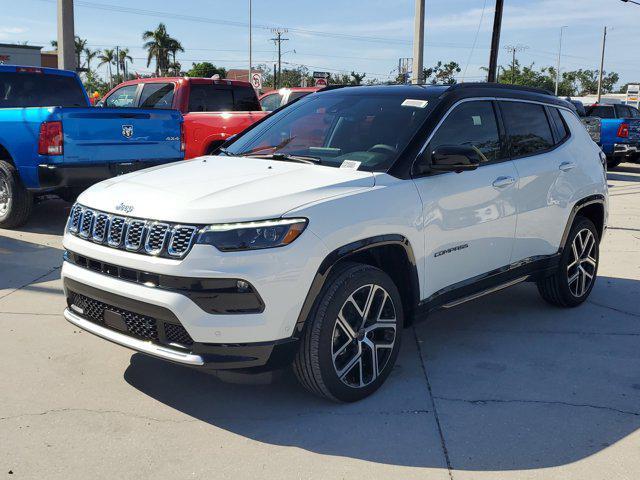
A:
[(566, 166), (502, 182)]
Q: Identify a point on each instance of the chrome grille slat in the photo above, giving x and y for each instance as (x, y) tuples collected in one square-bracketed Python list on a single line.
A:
[(100, 227), (86, 223), (156, 237), (181, 240), (136, 235), (116, 229)]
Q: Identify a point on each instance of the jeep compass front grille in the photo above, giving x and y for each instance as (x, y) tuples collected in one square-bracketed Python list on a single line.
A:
[(132, 234)]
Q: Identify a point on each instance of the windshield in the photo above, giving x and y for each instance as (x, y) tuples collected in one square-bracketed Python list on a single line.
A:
[(371, 130)]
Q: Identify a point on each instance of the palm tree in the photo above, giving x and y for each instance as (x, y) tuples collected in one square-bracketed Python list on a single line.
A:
[(160, 45), (123, 56), (90, 55), (109, 57), (80, 44)]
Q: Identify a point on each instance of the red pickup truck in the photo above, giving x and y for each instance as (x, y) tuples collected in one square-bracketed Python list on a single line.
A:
[(213, 109)]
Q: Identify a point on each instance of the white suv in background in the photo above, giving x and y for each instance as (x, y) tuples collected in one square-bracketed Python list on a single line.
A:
[(313, 237)]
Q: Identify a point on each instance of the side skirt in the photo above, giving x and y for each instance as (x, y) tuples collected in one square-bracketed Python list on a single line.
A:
[(530, 269)]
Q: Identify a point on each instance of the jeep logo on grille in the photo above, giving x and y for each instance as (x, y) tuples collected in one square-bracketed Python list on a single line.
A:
[(124, 208), (127, 131)]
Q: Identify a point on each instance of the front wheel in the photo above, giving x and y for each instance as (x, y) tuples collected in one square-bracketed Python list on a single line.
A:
[(352, 337), (573, 281)]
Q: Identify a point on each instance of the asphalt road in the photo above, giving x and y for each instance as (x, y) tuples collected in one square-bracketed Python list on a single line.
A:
[(505, 387)]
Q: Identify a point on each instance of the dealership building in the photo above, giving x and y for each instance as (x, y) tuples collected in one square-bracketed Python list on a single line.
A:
[(27, 55)]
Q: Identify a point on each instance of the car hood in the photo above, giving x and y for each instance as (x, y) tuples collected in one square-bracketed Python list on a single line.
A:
[(222, 189)]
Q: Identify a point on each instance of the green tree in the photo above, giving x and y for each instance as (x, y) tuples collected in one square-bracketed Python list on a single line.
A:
[(123, 58), (162, 48), (79, 47), (108, 57), (93, 83), (443, 74), (356, 78), (206, 70), (89, 55)]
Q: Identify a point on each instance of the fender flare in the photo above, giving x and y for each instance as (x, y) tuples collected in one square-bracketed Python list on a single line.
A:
[(580, 204), (349, 250)]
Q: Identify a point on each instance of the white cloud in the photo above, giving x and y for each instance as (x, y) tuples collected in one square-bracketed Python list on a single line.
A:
[(7, 33)]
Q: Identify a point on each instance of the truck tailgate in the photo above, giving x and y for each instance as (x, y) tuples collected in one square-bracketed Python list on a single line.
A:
[(634, 129), (104, 135)]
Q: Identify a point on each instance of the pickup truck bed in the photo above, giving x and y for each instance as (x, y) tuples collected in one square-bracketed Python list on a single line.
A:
[(64, 149), (213, 109), (619, 131)]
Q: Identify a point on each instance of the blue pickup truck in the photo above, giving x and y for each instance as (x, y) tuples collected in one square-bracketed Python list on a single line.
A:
[(52, 141), (619, 131)]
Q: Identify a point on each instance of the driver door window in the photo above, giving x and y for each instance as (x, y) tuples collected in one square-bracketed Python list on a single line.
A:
[(123, 97), (472, 124)]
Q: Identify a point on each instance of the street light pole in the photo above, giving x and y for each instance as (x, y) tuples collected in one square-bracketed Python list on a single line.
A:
[(418, 43), (495, 42), (66, 44), (559, 57), (604, 43)]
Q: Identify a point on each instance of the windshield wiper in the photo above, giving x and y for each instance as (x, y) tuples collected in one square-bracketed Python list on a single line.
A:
[(287, 157), (226, 152)]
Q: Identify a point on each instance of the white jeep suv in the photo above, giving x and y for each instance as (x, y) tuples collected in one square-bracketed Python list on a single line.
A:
[(313, 237)]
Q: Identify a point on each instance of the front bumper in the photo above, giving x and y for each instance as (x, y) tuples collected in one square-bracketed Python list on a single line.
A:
[(52, 176), (146, 331)]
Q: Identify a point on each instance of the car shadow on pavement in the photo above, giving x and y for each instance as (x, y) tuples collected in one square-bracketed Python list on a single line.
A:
[(628, 168), (49, 216), (514, 388)]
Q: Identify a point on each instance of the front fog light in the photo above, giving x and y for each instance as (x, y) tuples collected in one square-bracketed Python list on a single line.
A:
[(230, 237)]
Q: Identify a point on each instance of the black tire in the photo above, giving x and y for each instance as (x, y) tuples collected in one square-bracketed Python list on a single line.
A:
[(15, 201), (324, 335), (613, 162), (559, 289)]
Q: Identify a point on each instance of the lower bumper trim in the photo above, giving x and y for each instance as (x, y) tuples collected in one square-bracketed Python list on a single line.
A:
[(134, 343)]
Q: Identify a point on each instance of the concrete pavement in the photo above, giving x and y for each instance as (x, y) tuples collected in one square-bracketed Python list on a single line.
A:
[(505, 387)]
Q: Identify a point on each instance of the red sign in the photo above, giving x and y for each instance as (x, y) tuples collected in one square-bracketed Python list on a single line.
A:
[(321, 82)]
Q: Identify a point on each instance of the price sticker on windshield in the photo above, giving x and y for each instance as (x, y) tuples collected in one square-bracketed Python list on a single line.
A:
[(350, 164), (413, 102)]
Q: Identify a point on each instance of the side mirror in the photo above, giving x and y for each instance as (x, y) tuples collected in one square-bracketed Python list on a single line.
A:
[(99, 104), (453, 158)]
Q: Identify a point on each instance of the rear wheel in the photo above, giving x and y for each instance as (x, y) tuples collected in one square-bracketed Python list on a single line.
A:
[(352, 338), (572, 283), (15, 201), (613, 162)]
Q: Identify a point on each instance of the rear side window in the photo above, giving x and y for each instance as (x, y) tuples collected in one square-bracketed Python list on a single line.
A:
[(40, 90), (215, 98), (634, 112), (122, 97), (601, 111), (271, 102), (528, 128), (471, 124), (562, 131), (245, 99), (157, 95), (295, 95)]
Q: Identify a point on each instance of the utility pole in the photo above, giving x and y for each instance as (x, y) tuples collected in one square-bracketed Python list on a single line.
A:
[(495, 42), (604, 43), (278, 39), (559, 57), (418, 43), (118, 63), (513, 49), (66, 36), (250, 44)]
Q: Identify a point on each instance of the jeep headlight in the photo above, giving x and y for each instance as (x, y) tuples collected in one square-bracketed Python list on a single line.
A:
[(229, 237)]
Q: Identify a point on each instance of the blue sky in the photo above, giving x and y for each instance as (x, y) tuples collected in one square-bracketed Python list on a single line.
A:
[(333, 35)]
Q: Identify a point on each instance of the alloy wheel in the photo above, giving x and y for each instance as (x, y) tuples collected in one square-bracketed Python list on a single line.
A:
[(4, 196), (581, 270), (364, 335)]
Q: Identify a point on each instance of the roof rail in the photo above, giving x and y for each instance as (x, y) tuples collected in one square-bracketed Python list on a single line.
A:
[(505, 86)]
